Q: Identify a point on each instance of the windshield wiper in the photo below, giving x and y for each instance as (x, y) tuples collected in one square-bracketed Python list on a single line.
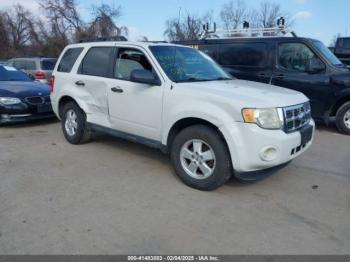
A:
[(223, 78)]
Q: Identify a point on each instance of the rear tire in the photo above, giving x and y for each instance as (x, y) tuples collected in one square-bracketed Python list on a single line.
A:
[(201, 158), (343, 119), (74, 125)]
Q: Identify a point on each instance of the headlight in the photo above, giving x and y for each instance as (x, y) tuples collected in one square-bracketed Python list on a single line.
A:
[(268, 118), (9, 100)]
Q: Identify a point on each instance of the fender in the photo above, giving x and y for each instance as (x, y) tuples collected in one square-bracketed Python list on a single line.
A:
[(207, 111)]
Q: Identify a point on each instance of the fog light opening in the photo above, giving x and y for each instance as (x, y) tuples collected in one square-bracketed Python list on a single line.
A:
[(268, 154)]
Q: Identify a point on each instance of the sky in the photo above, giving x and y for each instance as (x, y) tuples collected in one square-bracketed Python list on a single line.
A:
[(320, 19)]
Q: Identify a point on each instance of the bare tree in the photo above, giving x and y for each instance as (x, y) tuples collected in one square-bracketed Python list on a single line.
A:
[(104, 24), (269, 13), (233, 14), (334, 40), (184, 28), (16, 21), (4, 39)]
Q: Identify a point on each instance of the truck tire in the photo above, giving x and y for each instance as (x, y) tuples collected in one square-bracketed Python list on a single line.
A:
[(201, 158), (343, 119), (74, 125)]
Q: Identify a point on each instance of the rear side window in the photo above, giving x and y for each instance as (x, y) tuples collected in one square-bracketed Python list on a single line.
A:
[(30, 65), (48, 64), (97, 62), (243, 54), (68, 59)]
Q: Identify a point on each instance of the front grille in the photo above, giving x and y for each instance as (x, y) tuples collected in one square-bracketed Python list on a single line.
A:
[(296, 117), (35, 100)]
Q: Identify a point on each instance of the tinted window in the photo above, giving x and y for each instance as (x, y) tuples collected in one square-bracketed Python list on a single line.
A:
[(343, 43), (243, 54), (129, 60), (96, 62), (48, 64), (9, 73), (182, 64), (295, 56), (68, 59)]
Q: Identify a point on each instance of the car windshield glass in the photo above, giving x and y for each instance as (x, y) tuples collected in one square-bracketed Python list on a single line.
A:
[(182, 64), (9, 73), (48, 64), (327, 53)]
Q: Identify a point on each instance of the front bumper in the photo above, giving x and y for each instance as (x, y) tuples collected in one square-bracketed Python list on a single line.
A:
[(23, 112), (253, 148)]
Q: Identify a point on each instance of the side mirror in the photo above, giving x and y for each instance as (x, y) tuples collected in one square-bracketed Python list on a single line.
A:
[(315, 65), (144, 77)]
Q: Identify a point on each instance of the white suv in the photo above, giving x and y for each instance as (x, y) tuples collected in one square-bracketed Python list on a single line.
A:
[(179, 100)]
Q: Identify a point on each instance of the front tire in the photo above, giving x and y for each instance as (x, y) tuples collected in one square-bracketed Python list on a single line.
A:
[(74, 125), (201, 158), (343, 119)]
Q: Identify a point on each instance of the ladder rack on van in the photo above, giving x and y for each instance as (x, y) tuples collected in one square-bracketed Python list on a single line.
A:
[(245, 32)]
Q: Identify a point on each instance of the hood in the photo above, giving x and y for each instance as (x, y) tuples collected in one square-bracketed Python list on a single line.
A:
[(21, 89), (248, 93)]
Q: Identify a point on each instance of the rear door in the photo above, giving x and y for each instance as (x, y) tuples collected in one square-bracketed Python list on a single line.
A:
[(291, 72), (246, 60), (91, 82)]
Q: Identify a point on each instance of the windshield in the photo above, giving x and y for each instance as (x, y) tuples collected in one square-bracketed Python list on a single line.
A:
[(48, 64), (183, 64), (327, 53), (9, 73)]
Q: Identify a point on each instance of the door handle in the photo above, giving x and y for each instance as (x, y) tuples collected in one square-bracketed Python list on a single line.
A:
[(80, 83), (117, 89)]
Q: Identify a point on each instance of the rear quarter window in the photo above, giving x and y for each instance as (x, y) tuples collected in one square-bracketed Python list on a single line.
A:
[(68, 59), (97, 62), (243, 54)]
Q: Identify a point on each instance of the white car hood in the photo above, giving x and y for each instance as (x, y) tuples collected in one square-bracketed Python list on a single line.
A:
[(248, 93)]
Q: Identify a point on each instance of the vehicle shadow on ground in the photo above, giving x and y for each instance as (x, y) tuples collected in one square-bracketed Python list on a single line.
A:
[(35, 123)]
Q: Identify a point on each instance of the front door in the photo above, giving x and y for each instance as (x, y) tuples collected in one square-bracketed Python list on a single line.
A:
[(292, 72), (134, 108)]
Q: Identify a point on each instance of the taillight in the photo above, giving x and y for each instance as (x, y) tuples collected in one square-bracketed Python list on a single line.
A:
[(52, 83), (40, 75)]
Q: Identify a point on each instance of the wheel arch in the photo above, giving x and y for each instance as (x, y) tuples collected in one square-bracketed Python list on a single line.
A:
[(63, 101), (338, 104), (183, 123)]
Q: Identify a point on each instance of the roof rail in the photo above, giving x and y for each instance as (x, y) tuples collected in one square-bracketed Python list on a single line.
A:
[(104, 39), (246, 32), (156, 42)]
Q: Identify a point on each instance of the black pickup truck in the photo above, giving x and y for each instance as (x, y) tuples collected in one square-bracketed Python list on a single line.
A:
[(342, 49)]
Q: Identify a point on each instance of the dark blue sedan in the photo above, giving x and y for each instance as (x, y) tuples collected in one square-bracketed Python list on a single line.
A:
[(21, 98)]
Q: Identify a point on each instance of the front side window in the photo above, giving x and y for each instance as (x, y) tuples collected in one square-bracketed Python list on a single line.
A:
[(97, 62), (129, 60), (183, 64), (295, 56), (244, 54), (67, 62)]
